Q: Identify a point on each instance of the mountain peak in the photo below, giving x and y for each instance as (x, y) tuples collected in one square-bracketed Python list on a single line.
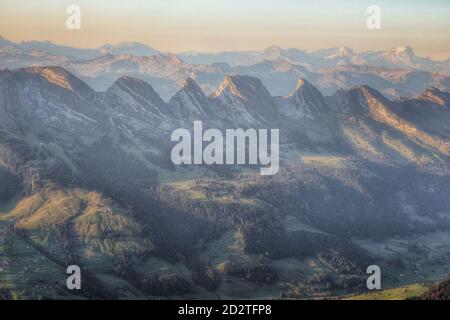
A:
[(403, 50), (273, 52), (364, 89), (303, 84), (131, 80), (190, 102), (306, 100), (57, 76), (127, 83), (129, 86), (274, 48), (341, 52), (357, 99), (345, 51), (245, 100), (190, 84), (436, 96), (227, 85), (191, 87), (133, 48), (242, 86), (172, 58), (369, 93)]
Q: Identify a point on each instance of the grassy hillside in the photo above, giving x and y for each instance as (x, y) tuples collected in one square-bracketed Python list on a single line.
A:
[(413, 291)]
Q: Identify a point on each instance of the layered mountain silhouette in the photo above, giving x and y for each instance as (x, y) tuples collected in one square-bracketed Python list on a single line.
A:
[(402, 56), (398, 72), (51, 102), (91, 182)]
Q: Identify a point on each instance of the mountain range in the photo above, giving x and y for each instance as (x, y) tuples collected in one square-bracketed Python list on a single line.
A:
[(398, 57), (86, 176), (396, 73)]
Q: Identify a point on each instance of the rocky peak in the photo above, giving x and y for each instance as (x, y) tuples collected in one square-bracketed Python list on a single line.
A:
[(246, 99), (436, 96), (126, 87), (190, 102)]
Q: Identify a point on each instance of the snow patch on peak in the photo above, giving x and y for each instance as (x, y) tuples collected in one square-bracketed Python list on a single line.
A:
[(403, 50)]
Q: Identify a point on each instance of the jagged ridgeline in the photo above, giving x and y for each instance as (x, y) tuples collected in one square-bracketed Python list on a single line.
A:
[(397, 72), (86, 178)]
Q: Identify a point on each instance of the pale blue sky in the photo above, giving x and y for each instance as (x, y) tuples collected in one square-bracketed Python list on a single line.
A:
[(212, 25)]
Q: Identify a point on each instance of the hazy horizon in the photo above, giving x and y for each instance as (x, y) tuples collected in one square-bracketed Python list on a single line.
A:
[(218, 51), (215, 26)]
